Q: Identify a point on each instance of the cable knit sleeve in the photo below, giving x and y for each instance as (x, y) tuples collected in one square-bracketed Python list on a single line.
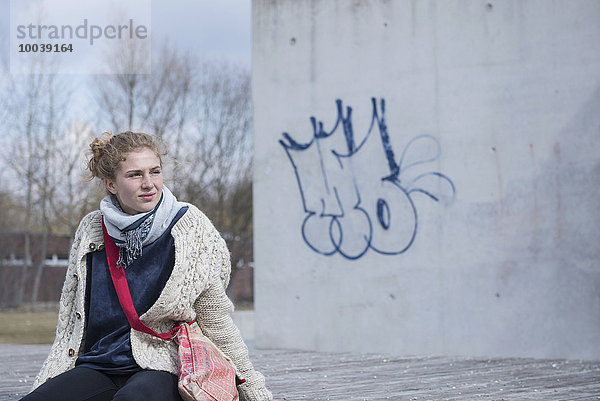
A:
[(213, 309)]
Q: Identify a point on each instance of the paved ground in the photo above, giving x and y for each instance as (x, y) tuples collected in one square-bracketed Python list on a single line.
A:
[(297, 375)]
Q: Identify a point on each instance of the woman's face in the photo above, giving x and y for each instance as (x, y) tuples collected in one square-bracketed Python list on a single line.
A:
[(138, 183)]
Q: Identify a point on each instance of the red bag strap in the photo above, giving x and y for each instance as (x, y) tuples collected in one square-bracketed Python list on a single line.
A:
[(122, 288)]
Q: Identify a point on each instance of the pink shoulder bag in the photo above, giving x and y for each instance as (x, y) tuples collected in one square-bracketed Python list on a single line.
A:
[(205, 373)]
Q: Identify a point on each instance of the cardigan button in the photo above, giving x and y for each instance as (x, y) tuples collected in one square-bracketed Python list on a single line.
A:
[(71, 352), (78, 315), (92, 247)]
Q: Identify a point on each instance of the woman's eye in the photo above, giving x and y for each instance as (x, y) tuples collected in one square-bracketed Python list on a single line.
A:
[(155, 172)]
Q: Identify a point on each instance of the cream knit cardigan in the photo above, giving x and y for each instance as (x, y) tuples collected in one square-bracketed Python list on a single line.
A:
[(195, 290)]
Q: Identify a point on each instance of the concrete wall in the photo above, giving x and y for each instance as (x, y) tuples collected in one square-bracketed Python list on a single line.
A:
[(448, 203)]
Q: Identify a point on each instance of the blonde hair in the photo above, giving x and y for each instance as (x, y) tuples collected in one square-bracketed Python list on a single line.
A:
[(108, 152)]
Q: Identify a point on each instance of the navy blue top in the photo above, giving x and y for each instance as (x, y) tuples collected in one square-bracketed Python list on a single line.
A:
[(107, 343)]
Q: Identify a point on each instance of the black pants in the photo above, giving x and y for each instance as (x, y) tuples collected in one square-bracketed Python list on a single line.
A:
[(85, 384)]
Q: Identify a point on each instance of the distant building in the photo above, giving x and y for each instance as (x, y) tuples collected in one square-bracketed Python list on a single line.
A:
[(12, 249), (17, 276), (12, 274)]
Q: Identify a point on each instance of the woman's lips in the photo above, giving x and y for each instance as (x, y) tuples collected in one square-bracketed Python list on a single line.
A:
[(147, 196)]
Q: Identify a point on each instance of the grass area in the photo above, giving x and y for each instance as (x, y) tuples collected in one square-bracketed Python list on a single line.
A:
[(39, 327), (21, 327)]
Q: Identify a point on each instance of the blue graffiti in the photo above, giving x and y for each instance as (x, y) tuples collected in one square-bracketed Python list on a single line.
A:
[(354, 201)]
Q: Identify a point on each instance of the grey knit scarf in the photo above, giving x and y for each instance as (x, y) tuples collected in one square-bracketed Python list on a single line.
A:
[(132, 232)]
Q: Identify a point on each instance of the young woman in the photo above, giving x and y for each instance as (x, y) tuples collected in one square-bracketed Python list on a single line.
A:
[(177, 266)]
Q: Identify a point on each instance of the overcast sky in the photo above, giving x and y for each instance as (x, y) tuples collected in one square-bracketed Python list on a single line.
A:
[(215, 28), (206, 28)]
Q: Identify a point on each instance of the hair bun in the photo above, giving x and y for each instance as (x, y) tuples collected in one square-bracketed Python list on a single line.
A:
[(97, 148)]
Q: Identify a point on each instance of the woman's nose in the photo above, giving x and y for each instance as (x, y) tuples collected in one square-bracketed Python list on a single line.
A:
[(146, 182)]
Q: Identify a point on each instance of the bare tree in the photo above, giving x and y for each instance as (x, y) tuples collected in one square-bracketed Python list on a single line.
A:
[(51, 116), (158, 102), (9, 219), (36, 104), (74, 196), (219, 168), (143, 101), (118, 92), (24, 109)]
